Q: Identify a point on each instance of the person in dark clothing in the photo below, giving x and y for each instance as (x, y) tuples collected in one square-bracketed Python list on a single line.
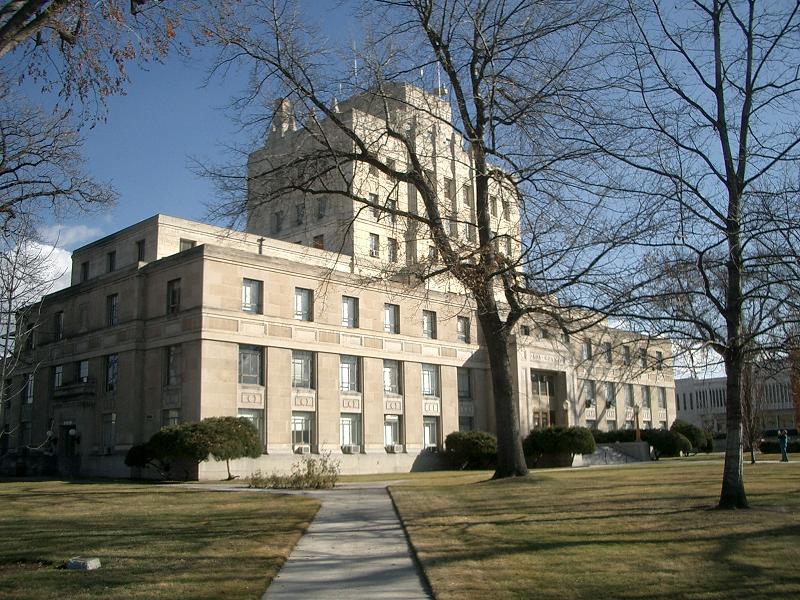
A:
[(783, 442)]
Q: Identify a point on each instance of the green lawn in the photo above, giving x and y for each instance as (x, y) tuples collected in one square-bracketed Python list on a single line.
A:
[(154, 541), (636, 532)]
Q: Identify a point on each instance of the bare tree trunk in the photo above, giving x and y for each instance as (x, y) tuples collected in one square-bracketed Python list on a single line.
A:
[(732, 494), (510, 457)]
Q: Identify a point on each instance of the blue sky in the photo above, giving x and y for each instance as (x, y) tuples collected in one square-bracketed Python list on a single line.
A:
[(167, 115)]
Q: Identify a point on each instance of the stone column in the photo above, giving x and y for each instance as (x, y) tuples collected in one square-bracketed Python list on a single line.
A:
[(372, 404), (279, 400), (412, 404), (328, 402)]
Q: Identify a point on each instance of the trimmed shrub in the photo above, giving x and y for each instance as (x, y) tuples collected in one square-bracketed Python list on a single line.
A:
[(224, 438), (666, 443), (695, 435), (471, 449), (228, 438), (310, 473), (558, 440), (137, 457)]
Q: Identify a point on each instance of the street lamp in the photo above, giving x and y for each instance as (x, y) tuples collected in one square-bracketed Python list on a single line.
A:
[(636, 422)]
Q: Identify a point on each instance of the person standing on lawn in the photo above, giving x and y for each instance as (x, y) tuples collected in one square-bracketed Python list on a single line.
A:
[(783, 442)]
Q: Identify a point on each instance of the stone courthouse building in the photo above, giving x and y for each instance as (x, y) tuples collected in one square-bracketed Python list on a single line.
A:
[(312, 324)]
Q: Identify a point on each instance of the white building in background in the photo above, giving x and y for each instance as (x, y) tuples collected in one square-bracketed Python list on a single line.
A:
[(702, 401)]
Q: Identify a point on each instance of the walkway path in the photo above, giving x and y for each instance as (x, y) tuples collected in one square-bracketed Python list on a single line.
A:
[(354, 548)]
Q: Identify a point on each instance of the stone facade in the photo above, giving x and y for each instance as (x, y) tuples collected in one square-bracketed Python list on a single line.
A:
[(181, 336), (311, 324)]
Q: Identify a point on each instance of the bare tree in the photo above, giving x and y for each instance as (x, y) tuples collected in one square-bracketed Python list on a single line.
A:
[(40, 164), (503, 75), (26, 275), (703, 125), (81, 48)]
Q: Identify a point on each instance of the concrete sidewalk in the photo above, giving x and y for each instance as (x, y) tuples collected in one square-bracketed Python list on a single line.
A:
[(354, 548)]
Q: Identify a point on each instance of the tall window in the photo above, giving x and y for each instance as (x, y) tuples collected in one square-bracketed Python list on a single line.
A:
[(58, 376), (541, 383), (170, 417), (83, 371), (173, 359), (646, 396), (464, 383), (589, 392), (611, 394), (299, 213), (29, 388), (256, 417), (349, 374), (349, 311), (586, 348), (659, 360), (391, 430), (391, 250), (112, 314), (173, 296), (607, 352), (373, 201), (111, 261), (322, 208), (391, 318), (662, 397), (251, 295), (429, 324), (391, 377), (643, 357), (430, 432), (85, 271), (58, 325), (251, 365), (462, 323), (140, 247), (277, 221), (112, 372), (29, 336), (374, 245), (350, 429), (626, 356), (430, 380), (187, 244), (629, 394), (302, 428), (303, 304), (302, 369)]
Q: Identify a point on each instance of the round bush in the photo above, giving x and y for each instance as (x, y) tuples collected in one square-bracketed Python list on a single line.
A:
[(696, 436), (666, 443), (471, 449), (137, 456)]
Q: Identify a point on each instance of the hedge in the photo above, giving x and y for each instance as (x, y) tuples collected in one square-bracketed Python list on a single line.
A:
[(471, 450), (664, 443), (558, 440)]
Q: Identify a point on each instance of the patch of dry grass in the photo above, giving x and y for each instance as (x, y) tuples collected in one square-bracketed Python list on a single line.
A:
[(616, 533), (154, 541)]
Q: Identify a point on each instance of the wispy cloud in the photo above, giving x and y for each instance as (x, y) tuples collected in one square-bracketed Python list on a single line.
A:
[(68, 236)]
